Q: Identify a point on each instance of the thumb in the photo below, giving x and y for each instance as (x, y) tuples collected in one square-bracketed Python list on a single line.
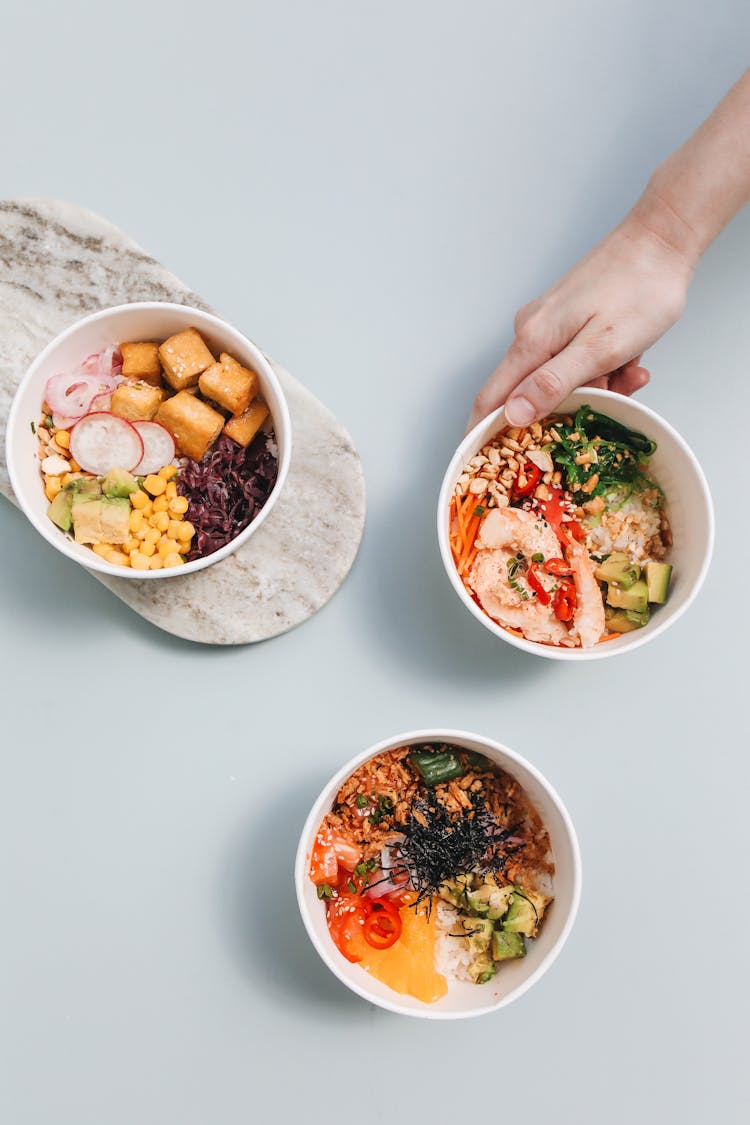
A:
[(585, 358)]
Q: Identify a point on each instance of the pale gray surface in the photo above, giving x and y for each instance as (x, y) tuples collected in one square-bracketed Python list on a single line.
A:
[(58, 262), (373, 191)]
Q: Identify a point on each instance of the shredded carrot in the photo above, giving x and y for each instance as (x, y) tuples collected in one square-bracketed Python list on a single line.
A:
[(608, 637)]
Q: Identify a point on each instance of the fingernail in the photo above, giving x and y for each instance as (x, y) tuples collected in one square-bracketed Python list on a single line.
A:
[(519, 412)]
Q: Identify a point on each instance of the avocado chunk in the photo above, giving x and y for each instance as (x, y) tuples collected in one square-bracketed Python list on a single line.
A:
[(635, 598), (101, 520), (478, 933), (619, 570), (658, 575), (456, 891), (522, 916), (84, 486), (482, 968), (60, 510), (119, 482), (624, 620), (506, 946), (490, 901)]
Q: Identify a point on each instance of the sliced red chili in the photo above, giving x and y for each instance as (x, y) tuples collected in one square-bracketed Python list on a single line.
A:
[(558, 567), (564, 602), (536, 584), (382, 928), (532, 474)]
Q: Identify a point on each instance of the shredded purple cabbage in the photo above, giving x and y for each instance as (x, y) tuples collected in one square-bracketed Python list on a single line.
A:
[(225, 491)]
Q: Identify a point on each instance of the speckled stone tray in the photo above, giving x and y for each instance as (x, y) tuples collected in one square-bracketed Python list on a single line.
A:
[(59, 262)]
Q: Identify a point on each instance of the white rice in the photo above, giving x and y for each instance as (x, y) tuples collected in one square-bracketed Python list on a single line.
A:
[(452, 956), (629, 528)]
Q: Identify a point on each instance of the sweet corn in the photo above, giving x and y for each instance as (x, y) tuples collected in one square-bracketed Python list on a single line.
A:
[(74, 466), (135, 520), (152, 535), (173, 530), (173, 560), (131, 545), (139, 499), (148, 549), (154, 484), (171, 490), (62, 437), (182, 546), (102, 549), (52, 486), (160, 521), (161, 504), (156, 563), (187, 531), (117, 558), (179, 505), (168, 472), (142, 532), (148, 511), (139, 561), (166, 547)]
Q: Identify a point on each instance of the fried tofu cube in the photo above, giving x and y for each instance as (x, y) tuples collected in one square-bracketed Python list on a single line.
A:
[(141, 361), (230, 384), (184, 357), (245, 426), (193, 424), (136, 402)]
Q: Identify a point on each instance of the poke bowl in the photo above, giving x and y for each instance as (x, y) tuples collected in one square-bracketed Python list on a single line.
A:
[(438, 875), (148, 440), (581, 536)]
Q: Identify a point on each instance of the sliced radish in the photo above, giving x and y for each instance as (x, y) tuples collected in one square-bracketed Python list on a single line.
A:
[(100, 442), (62, 421), (106, 363), (71, 395), (158, 448)]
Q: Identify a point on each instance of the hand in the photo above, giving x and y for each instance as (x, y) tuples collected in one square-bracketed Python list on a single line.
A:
[(593, 325)]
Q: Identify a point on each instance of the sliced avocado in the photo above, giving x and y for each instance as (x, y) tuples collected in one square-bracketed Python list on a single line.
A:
[(638, 619), (618, 569), (635, 598), (658, 575), (521, 917), (100, 520), (60, 510), (478, 932), (622, 621), (119, 482), (456, 891), (507, 945), (84, 486), (482, 968), (490, 901)]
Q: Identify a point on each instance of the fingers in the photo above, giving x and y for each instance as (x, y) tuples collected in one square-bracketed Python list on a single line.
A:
[(545, 388), (629, 378), (522, 358)]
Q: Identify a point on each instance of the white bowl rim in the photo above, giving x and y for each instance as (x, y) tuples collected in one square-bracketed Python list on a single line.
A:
[(281, 413), (630, 641), (432, 734)]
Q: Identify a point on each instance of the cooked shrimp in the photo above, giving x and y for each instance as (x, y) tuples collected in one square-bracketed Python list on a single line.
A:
[(505, 534), (588, 619)]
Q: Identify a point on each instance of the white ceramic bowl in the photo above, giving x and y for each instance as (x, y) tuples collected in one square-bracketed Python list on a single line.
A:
[(688, 506), (515, 977), (148, 320)]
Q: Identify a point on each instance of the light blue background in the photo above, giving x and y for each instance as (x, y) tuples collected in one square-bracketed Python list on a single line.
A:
[(370, 191)]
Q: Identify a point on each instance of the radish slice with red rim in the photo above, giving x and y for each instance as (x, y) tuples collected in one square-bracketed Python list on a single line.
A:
[(100, 442), (71, 395), (158, 448)]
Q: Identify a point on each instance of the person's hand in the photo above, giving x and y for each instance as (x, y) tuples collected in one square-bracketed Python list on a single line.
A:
[(593, 325)]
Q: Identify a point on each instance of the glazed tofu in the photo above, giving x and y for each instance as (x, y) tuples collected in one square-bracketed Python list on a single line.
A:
[(245, 426), (136, 402), (193, 424), (141, 361), (229, 384), (184, 357)]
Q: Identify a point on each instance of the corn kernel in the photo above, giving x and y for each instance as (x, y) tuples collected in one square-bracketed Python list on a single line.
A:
[(117, 558), (168, 472), (183, 546), (52, 487), (156, 563), (155, 485), (74, 466), (166, 548), (139, 561), (131, 545), (148, 549), (142, 532), (135, 520), (148, 511), (161, 504), (173, 530), (139, 499), (179, 505), (62, 437), (173, 560), (171, 490), (152, 535), (187, 531), (102, 549), (161, 521)]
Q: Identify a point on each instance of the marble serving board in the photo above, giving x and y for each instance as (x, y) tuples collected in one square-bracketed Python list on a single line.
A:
[(59, 262)]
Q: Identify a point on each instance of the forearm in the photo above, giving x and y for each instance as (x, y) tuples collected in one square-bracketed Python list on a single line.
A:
[(699, 188)]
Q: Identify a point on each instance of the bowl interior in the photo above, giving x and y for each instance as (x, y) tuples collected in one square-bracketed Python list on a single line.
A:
[(688, 507), (150, 321), (463, 999)]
